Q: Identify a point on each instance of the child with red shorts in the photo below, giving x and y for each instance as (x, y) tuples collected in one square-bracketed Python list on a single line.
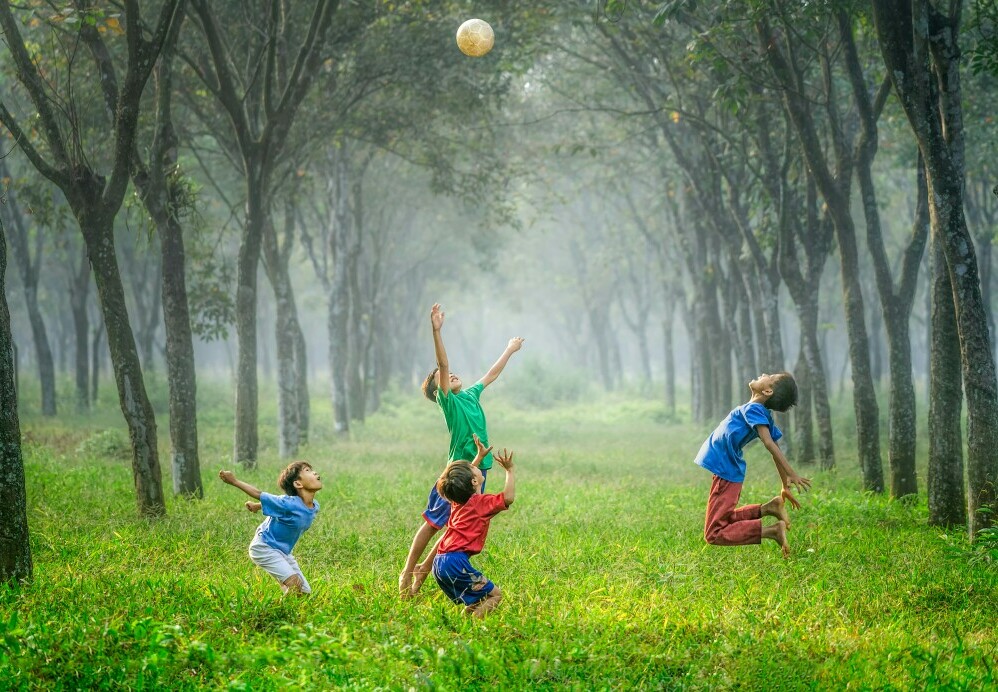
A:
[(721, 454)]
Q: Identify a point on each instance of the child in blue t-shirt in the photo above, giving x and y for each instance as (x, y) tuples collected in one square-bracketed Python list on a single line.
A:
[(287, 518), (721, 454), (465, 420)]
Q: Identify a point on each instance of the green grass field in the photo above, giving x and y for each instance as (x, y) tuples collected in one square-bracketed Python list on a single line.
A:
[(608, 582)]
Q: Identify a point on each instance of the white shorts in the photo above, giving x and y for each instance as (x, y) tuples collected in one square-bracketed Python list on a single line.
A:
[(280, 565)]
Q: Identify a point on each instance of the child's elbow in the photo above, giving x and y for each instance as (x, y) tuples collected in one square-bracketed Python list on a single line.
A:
[(508, 499)]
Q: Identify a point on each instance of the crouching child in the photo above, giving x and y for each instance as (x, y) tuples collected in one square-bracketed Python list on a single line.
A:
[(471, 511), (287, 518)]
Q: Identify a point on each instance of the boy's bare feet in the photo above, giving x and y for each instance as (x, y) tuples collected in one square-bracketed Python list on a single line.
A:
[(419, 575), (405, 584), (777, 507), (778, 533)]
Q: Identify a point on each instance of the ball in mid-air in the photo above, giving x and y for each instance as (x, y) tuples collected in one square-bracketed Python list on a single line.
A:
[(475, 38)]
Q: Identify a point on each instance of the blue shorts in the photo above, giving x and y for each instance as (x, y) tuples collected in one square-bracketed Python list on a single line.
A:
[(462, 583), (438, 507)]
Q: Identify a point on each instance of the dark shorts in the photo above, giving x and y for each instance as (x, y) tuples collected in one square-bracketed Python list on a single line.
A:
[(462, 583), (437, 510)]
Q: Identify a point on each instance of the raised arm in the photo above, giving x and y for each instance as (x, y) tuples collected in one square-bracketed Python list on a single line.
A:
[(230, 478), (443, 368), (505, 459), (512, 347), (788, 476)]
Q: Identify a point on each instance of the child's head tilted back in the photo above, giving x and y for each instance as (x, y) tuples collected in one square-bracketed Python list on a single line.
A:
[(455, 483), (784, 392), (430, 385), (290, 474)]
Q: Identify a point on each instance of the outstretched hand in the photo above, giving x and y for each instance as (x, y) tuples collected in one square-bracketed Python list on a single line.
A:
[(436, 317), (483, 451), (514, 344), (505, 459), (797, 482), (227, 477), (253, 506)]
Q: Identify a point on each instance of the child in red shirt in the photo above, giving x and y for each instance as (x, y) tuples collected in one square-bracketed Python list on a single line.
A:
[(467, 527)]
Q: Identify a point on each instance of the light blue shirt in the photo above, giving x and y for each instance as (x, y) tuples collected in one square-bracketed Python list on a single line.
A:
[(287, 519), (721, 453)]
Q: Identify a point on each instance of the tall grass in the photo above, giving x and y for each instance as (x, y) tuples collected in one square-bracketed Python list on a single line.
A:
[(607, 579)]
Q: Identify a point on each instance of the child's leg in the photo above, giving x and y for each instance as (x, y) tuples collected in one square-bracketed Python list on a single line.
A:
[(421, 571), (486, 605), (726, 525), (296, 583), (419, 542)]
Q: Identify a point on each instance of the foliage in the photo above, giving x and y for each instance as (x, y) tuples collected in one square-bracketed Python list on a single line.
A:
[(106, 444), (535, 384)]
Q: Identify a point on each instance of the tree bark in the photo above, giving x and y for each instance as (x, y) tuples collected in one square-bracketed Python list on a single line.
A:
[(28, 268), (947, 506), (135, 405), (339, 297), (15, 547), (95, 359), (78, 293)]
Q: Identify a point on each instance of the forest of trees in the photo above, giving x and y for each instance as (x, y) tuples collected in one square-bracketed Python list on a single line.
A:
[(698, 192)]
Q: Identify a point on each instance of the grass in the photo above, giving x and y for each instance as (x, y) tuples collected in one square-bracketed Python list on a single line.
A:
[(607, 579)]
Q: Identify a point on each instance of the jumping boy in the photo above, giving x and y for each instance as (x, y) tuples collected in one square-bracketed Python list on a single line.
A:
[(288, 517), (721, 454), (465, 418), (468, 525)]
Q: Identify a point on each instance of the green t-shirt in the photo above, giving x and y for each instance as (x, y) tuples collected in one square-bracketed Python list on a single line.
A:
[(464, 416)]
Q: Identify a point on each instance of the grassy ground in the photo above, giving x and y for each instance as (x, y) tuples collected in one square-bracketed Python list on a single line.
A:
[(607, 579)]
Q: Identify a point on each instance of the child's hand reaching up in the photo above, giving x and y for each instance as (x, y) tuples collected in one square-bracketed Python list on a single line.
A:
[(482, 450), (514, 344), (436, 317), (505, 459)]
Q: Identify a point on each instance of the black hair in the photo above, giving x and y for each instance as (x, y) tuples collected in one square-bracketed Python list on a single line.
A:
[(454, 484), (784, 392), (290, 474), (430, 385)]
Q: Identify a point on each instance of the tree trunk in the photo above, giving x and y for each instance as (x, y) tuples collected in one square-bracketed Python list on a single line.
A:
[(669, 356), (247, 435), (138, 413), (28, 268), (95, 359), (301, 375), (945, 476), (923, 58), (339, 292), (15, 547), (803, 422), (78, 294), (180, 368), (286, 338)]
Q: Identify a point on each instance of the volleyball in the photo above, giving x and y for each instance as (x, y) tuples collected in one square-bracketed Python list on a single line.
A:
[(475, 38)]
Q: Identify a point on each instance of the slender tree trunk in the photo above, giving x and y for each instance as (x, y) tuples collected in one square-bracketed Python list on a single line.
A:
[(79, 292), (819, 395), (945, 476), (246, 435), (95, 359), (669, 357), (135, 406), (803, 422), (29, 270), (339, 292), (15, 547), (285, 328), (301, 375)]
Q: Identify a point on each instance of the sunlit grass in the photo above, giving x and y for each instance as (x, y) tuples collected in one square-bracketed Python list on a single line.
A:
[(608, 582)]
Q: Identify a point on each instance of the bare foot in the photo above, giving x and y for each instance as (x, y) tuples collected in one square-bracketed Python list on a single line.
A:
[(419, 575), (777, 507), (405, 584), (780, 536)]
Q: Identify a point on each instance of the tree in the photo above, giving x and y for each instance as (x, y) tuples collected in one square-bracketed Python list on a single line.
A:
[(921, 51), (96, 197), (29, 265), (15, 549)]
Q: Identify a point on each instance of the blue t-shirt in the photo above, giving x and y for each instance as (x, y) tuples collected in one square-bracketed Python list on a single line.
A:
[(287, 519), (721, 453)]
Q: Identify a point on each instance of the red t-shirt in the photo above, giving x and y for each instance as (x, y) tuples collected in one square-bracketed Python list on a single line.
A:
[(469, 523)]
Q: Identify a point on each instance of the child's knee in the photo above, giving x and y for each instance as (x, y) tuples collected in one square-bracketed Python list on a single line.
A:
[(712, 533), (495, 594)]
